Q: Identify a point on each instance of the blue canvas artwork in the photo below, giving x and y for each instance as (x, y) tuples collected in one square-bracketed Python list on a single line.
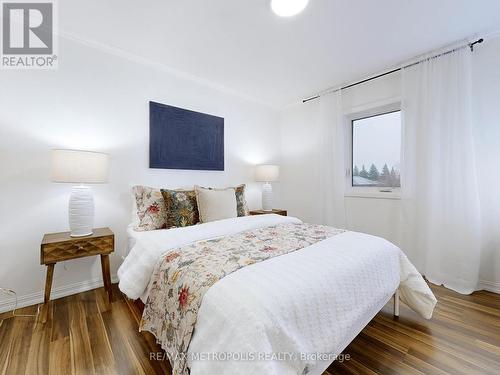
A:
[(184, 139)]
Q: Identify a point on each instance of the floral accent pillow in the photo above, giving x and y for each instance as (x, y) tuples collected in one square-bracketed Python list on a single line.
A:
[(241, 201), (150, 208), (181, 208)]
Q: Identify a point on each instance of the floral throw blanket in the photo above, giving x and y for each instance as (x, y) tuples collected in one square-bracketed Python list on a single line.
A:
[(183, 276)]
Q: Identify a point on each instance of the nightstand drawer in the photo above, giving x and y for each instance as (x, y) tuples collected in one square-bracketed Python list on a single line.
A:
[(76, 248)]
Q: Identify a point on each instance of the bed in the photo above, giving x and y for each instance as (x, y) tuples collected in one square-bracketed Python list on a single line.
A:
[(289, 314)]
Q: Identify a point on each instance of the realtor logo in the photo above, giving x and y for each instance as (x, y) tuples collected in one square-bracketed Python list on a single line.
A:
[(28, 35)]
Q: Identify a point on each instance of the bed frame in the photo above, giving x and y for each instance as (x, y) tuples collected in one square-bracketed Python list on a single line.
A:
[(396, 303)]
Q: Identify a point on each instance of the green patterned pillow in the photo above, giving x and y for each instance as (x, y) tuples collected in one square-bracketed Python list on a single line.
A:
[(241, 202), (181, 207)]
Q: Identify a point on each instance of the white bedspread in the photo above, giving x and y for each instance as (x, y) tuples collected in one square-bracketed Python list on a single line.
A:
[(313, 301)]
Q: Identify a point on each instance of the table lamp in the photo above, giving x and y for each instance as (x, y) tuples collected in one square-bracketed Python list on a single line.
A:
[(267, 173), (80, 167)]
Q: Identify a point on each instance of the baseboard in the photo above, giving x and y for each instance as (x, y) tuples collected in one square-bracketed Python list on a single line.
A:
[(489, 286), (35, 298)]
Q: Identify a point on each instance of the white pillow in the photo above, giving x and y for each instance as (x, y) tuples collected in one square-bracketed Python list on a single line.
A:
[(216, 204)]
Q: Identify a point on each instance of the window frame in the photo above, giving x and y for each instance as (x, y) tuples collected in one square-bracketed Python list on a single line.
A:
[(349, 118)]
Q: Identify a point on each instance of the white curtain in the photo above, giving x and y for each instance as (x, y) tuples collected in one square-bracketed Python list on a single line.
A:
[(440, 200), (331, 159)]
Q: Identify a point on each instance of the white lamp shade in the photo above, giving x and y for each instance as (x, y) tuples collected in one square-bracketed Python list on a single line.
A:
[(267, 173), (77, 166)]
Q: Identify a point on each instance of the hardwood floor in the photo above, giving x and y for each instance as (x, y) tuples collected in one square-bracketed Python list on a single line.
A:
[(83, 335), (87, 335)]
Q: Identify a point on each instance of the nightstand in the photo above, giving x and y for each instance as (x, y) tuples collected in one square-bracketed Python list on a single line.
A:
[(57, 247), (274, 211)]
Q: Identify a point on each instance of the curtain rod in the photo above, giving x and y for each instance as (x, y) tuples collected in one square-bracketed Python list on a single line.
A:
[(470, 45)]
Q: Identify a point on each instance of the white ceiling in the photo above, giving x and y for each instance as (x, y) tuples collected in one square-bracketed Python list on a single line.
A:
[(243, 46)]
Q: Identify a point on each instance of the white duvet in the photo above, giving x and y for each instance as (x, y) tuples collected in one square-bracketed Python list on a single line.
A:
[(287, 315)]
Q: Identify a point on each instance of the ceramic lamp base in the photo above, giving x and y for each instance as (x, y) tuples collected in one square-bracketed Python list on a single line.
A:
[(267, 197), (81, 211)]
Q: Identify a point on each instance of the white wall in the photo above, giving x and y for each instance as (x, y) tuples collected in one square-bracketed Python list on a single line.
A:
[(299, 171), (99, 101), (300, 147)]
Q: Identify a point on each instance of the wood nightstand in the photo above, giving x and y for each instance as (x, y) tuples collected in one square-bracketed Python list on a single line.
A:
[(274, 211), (57, 247)]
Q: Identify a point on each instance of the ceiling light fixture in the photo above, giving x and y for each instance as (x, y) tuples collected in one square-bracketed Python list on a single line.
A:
[(288, 8)]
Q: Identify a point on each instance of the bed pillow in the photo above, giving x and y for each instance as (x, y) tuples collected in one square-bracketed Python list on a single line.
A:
[(151, 212), (216, 204), (181, 208), (241, 201)]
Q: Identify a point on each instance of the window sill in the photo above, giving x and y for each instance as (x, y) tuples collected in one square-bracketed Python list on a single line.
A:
[(374, 195)]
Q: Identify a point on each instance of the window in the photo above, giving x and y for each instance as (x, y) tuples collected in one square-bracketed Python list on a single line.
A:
[(376, 149)]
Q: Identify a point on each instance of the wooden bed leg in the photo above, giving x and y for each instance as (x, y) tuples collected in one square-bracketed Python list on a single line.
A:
[(396, 303)]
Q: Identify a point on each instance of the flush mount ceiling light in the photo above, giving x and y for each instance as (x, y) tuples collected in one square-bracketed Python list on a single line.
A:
[(288, 8)]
